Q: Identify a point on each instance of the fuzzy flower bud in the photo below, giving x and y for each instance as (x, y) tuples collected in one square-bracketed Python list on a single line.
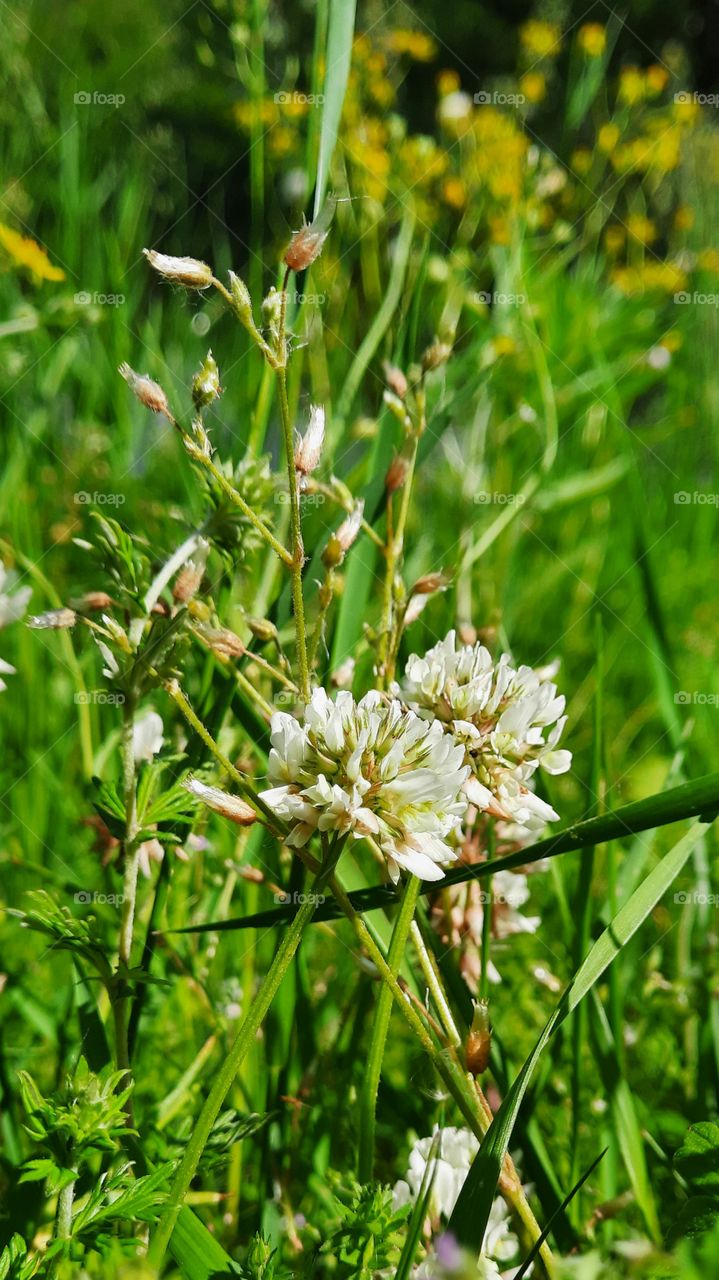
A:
[(241, 299), (479, 1040), (306, 244), (396, 380), (341, 541), (189, 272), (221, 802), (92, 601), (53, 620), (397, 473), (436, 355), (429, 583), (262, 629), (206, 383), (308, 448), (188, 581), (146, 391)]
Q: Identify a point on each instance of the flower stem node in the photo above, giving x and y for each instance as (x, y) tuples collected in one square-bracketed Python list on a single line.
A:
[(189, 272)]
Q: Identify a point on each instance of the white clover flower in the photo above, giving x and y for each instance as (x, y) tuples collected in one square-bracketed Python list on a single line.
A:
[(13, 600), (451, 1164), (369, 768), (500, 714)]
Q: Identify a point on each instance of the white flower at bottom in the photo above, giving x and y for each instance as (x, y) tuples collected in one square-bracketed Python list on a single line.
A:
[(369, 768), (451, 1163)]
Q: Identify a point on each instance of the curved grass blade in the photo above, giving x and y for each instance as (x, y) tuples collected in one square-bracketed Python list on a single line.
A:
[(700, 797), (534, 1251), (471, 1214), (339, 53)]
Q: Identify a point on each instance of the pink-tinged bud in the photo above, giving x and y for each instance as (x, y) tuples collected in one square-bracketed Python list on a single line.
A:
[(189, 272), (306, 244), (189, 579), (308, 449), (343, 676), (479, 1040), (341, 541), (414, 609), (223, 642), (53, 620), (429, 583), (397, 473), (92, 602), (396, 381), (228, 806), (146, 391), (467, 633)]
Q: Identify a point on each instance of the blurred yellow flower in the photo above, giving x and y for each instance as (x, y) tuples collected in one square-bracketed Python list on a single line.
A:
[(27, 253), (503, 345), (684, 218), (533, 85), (614, 238), (657, 79), (608, 137), (641, 228), (454, 193), (631, 85), (592, 39), (634, 281), (708, 260), (448, 81), (540, 39), (415, 44), (686, 112), (499, 230), (581, 160)]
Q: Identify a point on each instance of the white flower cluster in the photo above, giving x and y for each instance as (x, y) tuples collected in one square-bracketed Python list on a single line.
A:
[(450, 1157), (500, 713), (13, 603), (369, 768)]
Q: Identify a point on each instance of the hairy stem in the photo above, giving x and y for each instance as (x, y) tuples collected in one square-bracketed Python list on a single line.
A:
[(380, 1027), (298, 551)]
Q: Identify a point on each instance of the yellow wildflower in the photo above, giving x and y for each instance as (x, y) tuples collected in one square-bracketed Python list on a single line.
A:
[(684, 218), (657, 79), (608, 137), (540, 39), (448, 81), (533, 85), (641, 228), (415, 44), (614, 238), (632, 86), (581, 160), (27, 253), (592, 39), (708, 260), (454, 193)]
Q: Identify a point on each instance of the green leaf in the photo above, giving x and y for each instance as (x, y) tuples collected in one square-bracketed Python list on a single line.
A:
[(697, 1159), (197, 1252), (339, 53), (471, 1213)]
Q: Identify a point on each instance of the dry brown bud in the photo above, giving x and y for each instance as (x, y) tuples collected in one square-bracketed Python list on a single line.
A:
[(397, 473), (92, 601), (224, 642), (429, 583), (189, 579), (479, 1040), (436, 355), (306, 244), (147, 392)]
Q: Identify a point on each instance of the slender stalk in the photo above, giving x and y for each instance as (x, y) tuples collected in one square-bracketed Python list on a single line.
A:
[(431, 976), (383, 1010), (198, 456), (244, 1041), (122, 999), (467, 1095), (298, 551), (63, 1216)]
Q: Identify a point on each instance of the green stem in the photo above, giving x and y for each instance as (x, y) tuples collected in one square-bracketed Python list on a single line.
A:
[(244, 1041), (298, 551), (468, 1097), (63, 1217), (235, 497), (383, 1010), (122, 998)]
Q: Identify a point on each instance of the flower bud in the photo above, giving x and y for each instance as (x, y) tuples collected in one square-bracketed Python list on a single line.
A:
[(53, 620), (92, 601), (308, 448), (262, 629), (224, 642), (397, 473), (396, 381), (436, 355), (221, 802), (189, 272), (206, 383), (241, 299), (272, 308), (342, 677), (429, 583), (146, 391), (306, 244), (188, 581), (341, 541), (479, 1040)]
